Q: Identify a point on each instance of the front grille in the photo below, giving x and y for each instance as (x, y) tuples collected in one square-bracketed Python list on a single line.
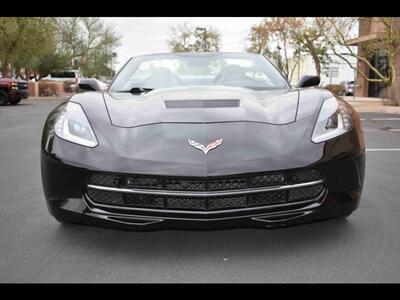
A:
[(144, 183), (22, 85), (266, 180), (227, 202), (303, 176), (227, 184), (185, 185), (215, 185), (140, 200), (109, 198), (205, 184), (304, 193), (190, 203), (106, 180), (205, 203), (270, 198)]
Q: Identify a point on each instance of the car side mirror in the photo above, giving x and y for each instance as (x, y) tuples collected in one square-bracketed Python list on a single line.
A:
[(308, 80), (87, 87)]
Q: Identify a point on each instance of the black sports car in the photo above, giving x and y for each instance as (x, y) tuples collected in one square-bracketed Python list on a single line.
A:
[(202, 140)]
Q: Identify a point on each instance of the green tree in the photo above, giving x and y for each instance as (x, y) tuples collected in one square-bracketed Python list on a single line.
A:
[(100, 64), (50, 62), (87, 43), (187, 38), (24, 42)]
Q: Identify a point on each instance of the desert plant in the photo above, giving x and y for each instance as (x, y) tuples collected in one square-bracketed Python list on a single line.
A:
[(336, 89), (47, 89), (67, 86)]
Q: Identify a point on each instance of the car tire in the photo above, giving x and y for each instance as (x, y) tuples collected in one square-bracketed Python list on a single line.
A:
[(14, 101), (3, 98)]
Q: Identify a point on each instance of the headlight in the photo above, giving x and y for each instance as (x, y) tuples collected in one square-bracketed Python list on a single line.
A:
[(72, 125), (334, 119)]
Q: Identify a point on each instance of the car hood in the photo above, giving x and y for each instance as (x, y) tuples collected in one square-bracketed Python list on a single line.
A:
[(270, 131), (202, 105)]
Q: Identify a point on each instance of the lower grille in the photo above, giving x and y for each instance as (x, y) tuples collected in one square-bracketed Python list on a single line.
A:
[(206, 203), (205, 193), (198, 184), (258, 199), (143, 200), (190, 203), (109, 198), (304, 193)]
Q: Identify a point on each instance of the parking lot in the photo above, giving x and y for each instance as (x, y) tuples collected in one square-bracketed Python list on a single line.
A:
[(34, 247)]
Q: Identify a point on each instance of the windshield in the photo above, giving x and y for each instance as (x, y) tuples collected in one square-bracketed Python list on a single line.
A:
[(198, 69)]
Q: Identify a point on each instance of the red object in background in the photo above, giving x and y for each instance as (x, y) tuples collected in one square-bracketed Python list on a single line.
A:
[(12, 91)]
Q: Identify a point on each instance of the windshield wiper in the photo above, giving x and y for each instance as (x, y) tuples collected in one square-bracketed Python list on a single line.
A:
[(137, 90)]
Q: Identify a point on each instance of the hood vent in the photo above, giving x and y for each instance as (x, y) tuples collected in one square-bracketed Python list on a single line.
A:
[(172, 104)]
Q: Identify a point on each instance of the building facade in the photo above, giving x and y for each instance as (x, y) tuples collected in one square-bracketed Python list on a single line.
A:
[(372, 30), (333, 73)]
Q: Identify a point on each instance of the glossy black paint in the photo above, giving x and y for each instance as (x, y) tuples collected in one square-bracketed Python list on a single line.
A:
[(90, 84), (138, 134), (342, 198)]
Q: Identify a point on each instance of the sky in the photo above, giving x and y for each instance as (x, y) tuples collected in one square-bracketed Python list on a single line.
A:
[(143, 35)]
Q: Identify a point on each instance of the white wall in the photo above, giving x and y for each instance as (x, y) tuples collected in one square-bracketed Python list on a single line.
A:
[(307, 67), (345, 72)]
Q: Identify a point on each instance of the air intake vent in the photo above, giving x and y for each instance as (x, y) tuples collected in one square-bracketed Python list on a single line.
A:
[(206, 193), (173, 104)]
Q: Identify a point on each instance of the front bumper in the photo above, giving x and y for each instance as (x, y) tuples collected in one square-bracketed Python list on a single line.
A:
[(65, 189), (18, 94)]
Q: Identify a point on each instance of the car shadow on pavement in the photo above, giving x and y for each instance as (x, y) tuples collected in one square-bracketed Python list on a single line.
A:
[(192, 244), (21, 104)]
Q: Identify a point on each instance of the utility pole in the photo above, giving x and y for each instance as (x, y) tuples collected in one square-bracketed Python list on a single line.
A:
[(204, 37)]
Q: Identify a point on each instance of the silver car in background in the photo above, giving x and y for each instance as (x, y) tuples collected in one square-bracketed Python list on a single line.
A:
[(348, 87)]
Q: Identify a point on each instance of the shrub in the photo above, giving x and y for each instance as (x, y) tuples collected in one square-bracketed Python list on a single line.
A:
[(336, 89), (48, 88), (67, 86)]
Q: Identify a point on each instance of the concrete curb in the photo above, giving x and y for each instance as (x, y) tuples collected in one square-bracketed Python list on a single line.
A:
[(374, 106)]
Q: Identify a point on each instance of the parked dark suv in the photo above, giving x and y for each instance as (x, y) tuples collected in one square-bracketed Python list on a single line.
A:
[(12, 91)]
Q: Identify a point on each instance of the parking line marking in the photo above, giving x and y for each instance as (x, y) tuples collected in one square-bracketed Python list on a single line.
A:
[(387, 149)]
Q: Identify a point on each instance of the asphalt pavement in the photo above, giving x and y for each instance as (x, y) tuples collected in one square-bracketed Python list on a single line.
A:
[(34, 247)]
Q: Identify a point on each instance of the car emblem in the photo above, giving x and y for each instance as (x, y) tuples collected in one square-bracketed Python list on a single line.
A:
[(209, 147)]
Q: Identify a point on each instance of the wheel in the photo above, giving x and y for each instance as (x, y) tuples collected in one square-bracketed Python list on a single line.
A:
[(3, 98), (14, 101)]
